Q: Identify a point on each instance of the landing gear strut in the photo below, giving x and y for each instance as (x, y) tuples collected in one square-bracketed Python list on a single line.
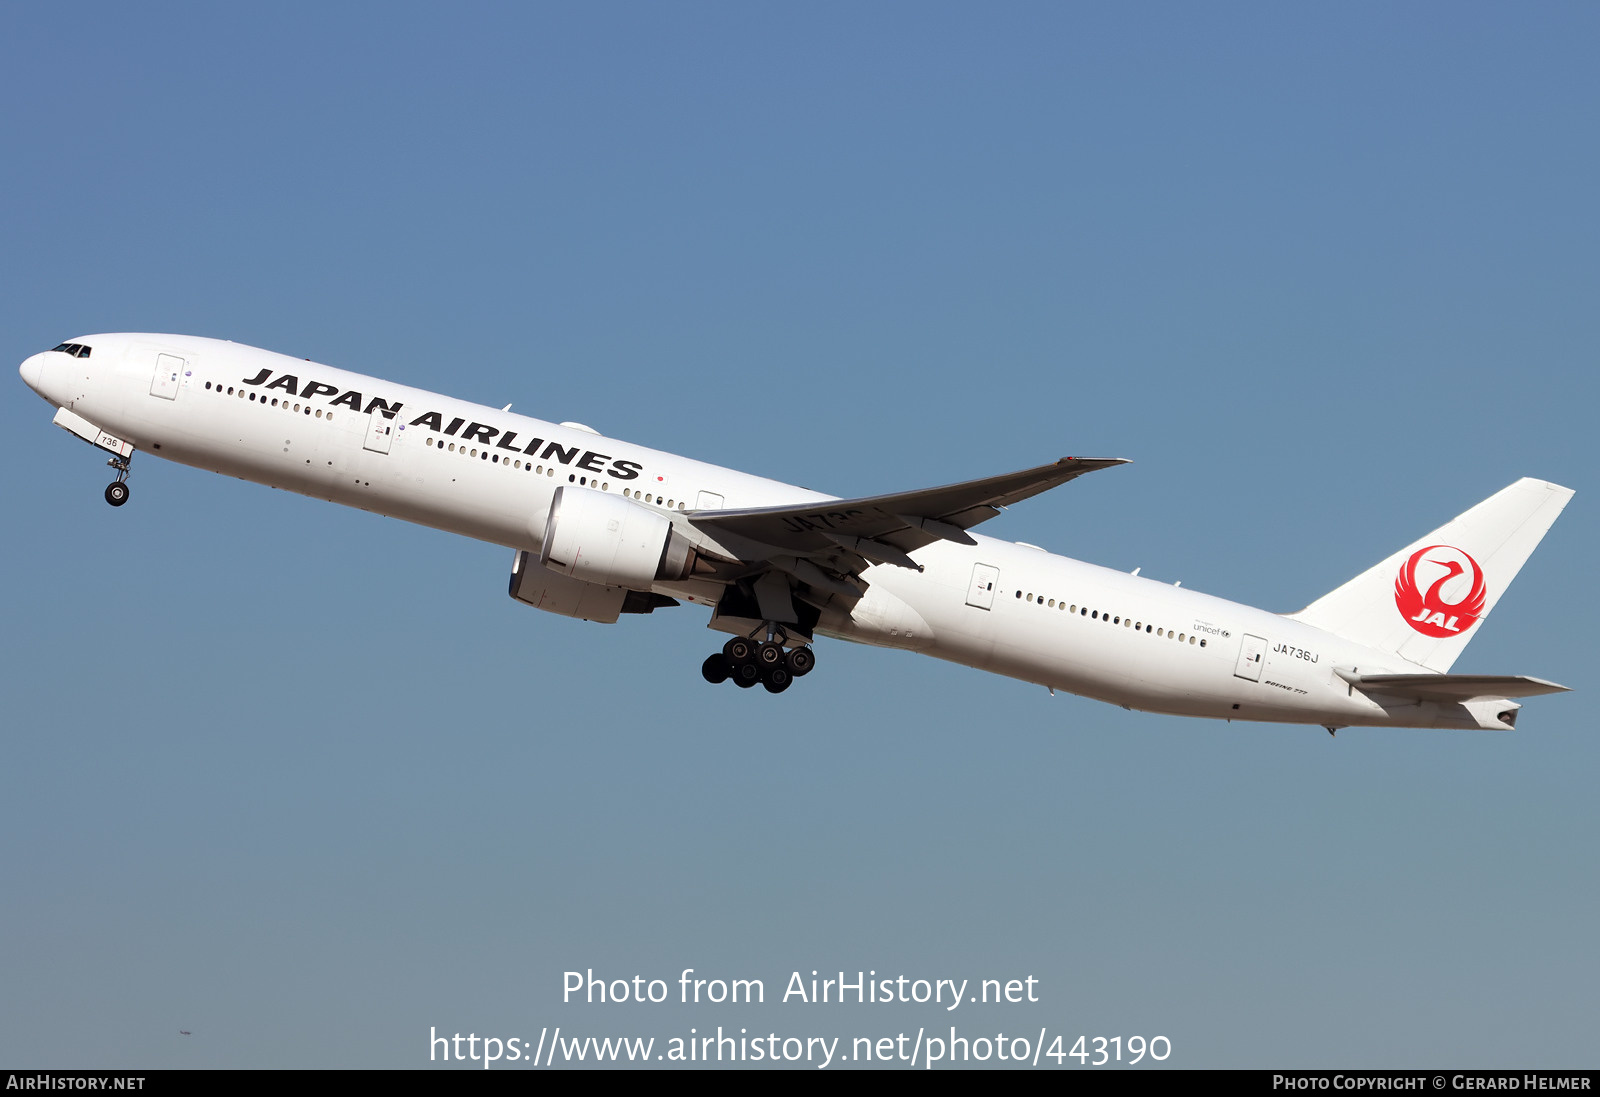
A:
[(117, 490), (747, 661)]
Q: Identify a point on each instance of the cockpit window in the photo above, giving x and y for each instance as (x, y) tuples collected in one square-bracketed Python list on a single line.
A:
[(77, 350)]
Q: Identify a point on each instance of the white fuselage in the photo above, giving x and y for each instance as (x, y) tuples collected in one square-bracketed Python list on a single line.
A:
[(490, 474)]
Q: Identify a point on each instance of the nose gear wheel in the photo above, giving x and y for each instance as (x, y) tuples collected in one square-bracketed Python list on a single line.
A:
[(117, 490)]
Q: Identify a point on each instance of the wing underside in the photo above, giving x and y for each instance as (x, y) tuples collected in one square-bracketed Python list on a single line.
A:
[(893, 525), (814, 552)]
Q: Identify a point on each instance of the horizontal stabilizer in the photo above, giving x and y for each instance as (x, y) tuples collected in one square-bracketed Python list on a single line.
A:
[(1451, 688)]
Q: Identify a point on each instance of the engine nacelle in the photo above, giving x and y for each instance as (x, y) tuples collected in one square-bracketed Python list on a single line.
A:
[(535, 586), (606, 539)]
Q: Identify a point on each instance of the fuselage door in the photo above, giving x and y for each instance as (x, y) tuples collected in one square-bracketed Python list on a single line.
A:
[(1251, 652), (169, 374), (981, 592), (708, 500), (380, 432)]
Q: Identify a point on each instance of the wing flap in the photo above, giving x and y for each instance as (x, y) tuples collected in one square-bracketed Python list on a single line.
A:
[(906, 520)]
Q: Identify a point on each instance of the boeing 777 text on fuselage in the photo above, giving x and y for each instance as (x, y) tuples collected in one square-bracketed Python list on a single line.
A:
[(602, 527)]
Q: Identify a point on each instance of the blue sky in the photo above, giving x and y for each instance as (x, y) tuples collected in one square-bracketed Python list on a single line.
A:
[(305, 782)]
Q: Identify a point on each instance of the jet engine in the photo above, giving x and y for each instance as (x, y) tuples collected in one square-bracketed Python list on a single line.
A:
[(607, 539), (555, 593)]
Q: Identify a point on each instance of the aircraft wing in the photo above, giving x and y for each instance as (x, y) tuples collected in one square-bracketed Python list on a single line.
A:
[(884, 528), (1453, 687)]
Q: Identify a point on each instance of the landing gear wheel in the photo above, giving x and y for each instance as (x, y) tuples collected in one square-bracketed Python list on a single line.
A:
[(769, 655), (777, 679), (800, 661), (716, 669), (117, 493), (746, 675), (738, 650)]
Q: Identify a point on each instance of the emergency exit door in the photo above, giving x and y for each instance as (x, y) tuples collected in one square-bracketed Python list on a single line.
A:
[(380, 432), (1251, 652), (168, 376), (984, 580)]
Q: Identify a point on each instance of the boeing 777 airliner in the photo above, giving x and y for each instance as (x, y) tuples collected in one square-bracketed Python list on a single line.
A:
[(601, 527)]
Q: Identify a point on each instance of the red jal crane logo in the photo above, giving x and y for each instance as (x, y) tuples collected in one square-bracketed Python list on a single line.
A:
[(1428, 612)]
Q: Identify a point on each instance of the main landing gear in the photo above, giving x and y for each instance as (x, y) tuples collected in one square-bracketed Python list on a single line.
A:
[(748, 661), (117, 490)]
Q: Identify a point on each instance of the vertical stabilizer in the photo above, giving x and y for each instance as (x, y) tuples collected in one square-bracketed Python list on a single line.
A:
[(1428, 600)]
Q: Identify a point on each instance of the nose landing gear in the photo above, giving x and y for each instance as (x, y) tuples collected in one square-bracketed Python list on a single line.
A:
[(117, 490), (748, 661)]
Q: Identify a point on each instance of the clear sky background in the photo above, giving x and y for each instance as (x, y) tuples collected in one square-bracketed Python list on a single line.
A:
[(304, 781)]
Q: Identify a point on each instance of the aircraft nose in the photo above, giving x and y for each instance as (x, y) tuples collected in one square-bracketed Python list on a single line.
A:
[(32, 370)]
